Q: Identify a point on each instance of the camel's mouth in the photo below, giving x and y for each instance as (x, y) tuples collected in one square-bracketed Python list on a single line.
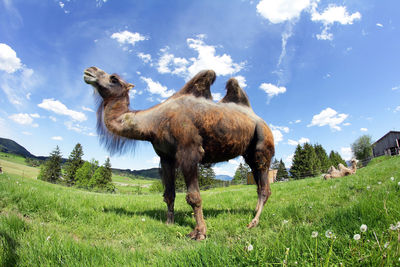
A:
[(89, 77)]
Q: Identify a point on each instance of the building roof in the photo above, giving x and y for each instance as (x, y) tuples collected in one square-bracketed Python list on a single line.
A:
[(385, 136)]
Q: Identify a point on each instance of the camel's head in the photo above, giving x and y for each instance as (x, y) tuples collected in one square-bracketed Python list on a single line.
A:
[(105, 84)]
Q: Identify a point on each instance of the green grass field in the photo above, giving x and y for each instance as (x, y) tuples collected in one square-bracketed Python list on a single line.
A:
[(47, 224)]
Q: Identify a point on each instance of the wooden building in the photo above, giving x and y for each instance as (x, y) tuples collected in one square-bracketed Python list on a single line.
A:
[(271, 177), (389, 144)]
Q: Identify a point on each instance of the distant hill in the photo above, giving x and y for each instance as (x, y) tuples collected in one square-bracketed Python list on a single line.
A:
[(153, 173), (12, 147), (223, 177)]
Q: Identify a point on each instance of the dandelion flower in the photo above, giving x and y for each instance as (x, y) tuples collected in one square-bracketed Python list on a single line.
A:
[(249, 247), (143, 219), (363, 228), (314, 234), (379, 182), (285, 221), (357, 237), (368, 187), (48, 238), (392, 178), (386, 245), (393, 227), (398, 183), (329, 234)]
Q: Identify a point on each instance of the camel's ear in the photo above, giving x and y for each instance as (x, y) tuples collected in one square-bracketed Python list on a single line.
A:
[(130, 86)]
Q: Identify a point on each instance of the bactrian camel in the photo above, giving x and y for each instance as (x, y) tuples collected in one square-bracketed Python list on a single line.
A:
[(341, 171), (187, 129)]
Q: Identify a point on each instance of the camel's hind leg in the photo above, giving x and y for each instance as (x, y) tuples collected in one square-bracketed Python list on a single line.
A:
[(263, 191), (168, 178)]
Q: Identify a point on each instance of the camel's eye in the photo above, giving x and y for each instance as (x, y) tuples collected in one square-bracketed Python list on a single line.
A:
[(114, 79)]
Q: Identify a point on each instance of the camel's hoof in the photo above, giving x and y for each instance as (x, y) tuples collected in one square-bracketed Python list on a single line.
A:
[(253, 223), (197, 235)]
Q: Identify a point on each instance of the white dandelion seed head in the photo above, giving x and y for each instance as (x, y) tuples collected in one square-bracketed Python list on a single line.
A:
[(329, 234), (285, 221), (357, 237), (143, 219), (392, 178), (250, 247), (398, 183), (368, 187), (48, 238), (314, 234), (393, 227), (363, 228), (386, 245), (379, 182)]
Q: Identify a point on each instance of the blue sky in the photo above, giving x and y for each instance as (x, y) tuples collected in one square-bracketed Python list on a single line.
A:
[(322, 72)]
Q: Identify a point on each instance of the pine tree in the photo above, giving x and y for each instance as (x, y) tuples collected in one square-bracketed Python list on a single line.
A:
[(335, 159), (107, 166), (73, 164), (282, 172), (206, 176), (322, 157), (241, 173), (275, 164), (51, 169), (298, 163), (83, 175), (311, 165)]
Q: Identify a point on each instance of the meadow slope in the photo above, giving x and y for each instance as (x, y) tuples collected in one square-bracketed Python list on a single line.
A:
[(47, 224)]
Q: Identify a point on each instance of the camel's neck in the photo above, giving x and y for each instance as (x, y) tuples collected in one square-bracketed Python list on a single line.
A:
[(126, 123)]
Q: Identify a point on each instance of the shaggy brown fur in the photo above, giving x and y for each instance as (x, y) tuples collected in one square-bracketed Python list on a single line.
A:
[(185, 130), (234, 93)]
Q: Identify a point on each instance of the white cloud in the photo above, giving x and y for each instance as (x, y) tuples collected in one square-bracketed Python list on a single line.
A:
[(57, 138), (300, 141), (329, 117), (288, 160), (145, 57), (364, 130), (397, 109), (216, 96), (17, 80), (87, 109), (276, 132), (346, 153), (28, 96), (207, 58), (154, 160), (396, 88), (241, 80), (23, 119), (156, 88), (61, 4), (5, 129), (9, 62), (127, 37), (59, 108), (53, 118), (272, 90), (282, 128), (379, 25), (333, 14), (277, 11), (35, 115), (26, 133)]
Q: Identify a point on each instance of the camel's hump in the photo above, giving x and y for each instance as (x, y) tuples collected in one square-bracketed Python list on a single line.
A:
[(199, 85), (235, 94)]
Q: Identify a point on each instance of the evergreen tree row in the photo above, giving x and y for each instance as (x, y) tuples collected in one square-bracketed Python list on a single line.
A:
[(77, 171), (312, 160)]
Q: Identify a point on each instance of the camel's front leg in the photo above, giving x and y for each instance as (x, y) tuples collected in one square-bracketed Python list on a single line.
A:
[(168, 178), (194, 200)]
